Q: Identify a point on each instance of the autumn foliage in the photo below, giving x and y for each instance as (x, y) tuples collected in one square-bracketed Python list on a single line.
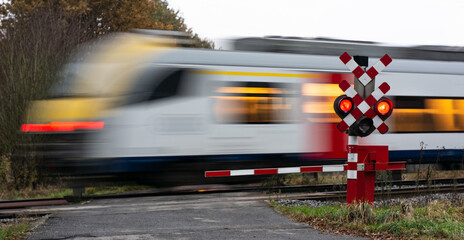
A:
[(98, 17), (36, 39)]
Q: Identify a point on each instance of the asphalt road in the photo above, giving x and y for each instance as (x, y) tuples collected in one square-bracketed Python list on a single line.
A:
[(204, 216)]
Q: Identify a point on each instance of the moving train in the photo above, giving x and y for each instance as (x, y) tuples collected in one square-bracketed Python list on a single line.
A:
[(137, 105)]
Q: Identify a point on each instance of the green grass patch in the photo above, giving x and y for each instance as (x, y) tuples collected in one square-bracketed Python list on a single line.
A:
[(114, 189), (14, 231), (435, 220), (52, 192), (58, 192)]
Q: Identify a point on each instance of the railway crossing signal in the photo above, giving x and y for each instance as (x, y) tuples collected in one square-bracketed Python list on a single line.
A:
[(368, 111), (362, 116)]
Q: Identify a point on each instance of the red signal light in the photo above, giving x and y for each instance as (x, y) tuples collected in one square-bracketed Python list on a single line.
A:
[(383, 108), (343, 105), (346, 105)]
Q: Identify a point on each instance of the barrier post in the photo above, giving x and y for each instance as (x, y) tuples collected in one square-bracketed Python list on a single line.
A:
[(371, 159), (351, 173)]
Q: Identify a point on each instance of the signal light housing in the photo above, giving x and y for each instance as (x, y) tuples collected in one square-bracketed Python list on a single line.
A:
[(343, 105), (363, 127), (383, 108)]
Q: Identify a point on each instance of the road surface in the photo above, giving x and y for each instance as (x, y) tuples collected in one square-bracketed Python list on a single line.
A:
[(200, 216)]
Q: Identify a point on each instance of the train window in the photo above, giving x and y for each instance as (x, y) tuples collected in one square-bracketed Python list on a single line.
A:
[(318, 101), (427, 115), (255, 103), (169, 86), (411, 114)]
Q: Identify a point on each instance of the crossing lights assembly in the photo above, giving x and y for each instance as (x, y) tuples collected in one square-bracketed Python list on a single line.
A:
[(361, 117)]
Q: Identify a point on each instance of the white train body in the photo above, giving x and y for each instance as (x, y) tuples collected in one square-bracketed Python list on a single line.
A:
[(182, 105)]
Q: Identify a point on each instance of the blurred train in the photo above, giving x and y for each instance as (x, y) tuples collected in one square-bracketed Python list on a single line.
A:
[(137, 105)]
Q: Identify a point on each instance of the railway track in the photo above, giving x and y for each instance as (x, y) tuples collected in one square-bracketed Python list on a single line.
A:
[(32, 203), (316, 192), (381, 194)]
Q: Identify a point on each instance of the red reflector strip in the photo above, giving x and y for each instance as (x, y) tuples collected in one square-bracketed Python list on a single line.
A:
[(217, 174), (62, 126), (311, 169), (266, 171)]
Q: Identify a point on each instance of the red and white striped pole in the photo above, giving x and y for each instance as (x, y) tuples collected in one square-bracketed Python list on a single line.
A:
[(352, 172), (364, 79)]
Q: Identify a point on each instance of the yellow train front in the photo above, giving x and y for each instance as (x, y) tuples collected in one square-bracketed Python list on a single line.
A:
[(135, 105)]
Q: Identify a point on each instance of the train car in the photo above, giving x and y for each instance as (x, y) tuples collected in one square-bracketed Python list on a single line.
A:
[(138, 105)]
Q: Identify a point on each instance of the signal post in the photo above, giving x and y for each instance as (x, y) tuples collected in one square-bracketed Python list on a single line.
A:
[(352, 159), (362, 110)]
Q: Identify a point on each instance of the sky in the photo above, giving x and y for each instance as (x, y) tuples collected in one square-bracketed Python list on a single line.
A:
[(397, 22)]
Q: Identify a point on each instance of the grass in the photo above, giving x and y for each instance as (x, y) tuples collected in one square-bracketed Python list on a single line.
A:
[(435, 220), (58, 191), (306, 179), (14, 231), (433, 174), (114, 189), (42, 192)]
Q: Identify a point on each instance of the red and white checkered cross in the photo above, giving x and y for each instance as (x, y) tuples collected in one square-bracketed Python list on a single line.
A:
[(370, 101), (363, 107), (365, 77)]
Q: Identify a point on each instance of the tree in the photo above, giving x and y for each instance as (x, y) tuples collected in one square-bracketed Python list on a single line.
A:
[(38, 36), (170, 20), (98, 17)]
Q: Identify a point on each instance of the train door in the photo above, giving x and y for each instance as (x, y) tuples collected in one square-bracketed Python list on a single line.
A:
[(173, 115), (227, 134)]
